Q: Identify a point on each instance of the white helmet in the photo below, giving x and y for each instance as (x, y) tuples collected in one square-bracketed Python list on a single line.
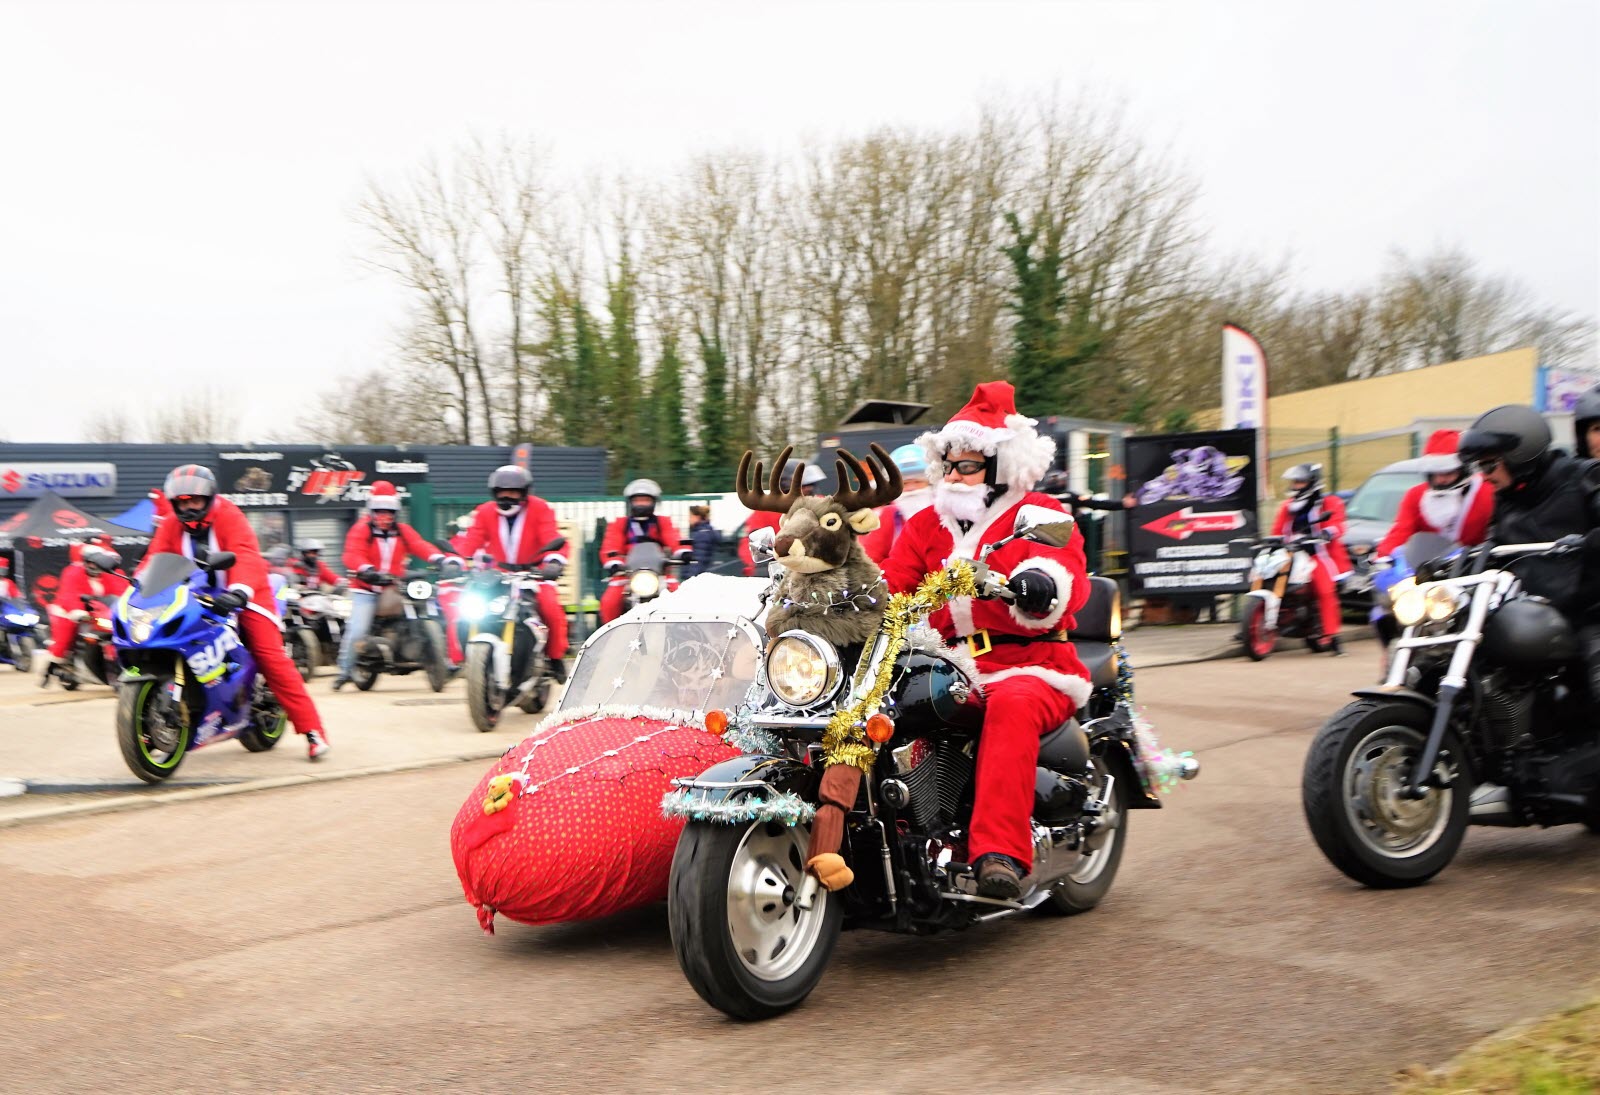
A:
[(642, 486), (813, 476), (309, 545)]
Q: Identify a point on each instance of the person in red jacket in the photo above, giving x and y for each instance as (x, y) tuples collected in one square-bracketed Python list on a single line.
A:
[(641, 524), (379, 543), (1449, 503), (92, 576), (205, 522), (984, 461), (309, 569), (517, 526), (915, 496), (8, 584), (1311, 513)]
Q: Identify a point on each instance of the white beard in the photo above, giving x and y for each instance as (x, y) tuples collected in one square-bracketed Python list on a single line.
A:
[(1441, 508), (961, 501), (913, 502)]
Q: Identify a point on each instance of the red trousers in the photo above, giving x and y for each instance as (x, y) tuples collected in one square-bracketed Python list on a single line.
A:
[(555, 618), (265, 642), (1018, 712), (448, 598), (611, 599), (61, 632), (1324, 589)]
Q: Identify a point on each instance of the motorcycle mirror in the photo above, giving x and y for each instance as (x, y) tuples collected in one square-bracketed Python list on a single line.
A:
[(1044, 525), (761, 549), (219, 560)]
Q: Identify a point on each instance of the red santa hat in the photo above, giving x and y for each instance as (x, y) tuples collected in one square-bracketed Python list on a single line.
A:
[(383, 497), (990, 424), (1439, 455)]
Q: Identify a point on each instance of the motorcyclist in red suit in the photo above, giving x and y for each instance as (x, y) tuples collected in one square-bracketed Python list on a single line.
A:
[(204, 522), (517, 526), (91, 576), (642, 523), (1310, 512), (309, 569)]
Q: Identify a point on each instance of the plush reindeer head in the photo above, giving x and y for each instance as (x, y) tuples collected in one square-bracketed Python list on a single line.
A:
[(817, 534)]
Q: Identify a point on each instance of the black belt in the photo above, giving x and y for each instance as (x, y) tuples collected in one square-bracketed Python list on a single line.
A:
[(980, 642)]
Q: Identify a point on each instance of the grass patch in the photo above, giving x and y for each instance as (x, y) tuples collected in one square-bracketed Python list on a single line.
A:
[(1558, 1055)]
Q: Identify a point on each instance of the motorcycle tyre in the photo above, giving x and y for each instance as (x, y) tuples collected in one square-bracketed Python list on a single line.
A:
[(364, 677), (1069, 898), (697, 916), (1254, 630), (1322, 797), (482, 702), (305, 652), (257, 741), (131, 699), (24, 652), (536, 699), (438, 664)]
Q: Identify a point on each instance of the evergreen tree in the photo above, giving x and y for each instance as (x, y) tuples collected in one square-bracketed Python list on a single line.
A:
[(1037, 301), (668, 431), (622, 380), (713, 465)]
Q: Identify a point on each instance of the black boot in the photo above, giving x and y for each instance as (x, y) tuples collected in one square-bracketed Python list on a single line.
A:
[(558, 670)]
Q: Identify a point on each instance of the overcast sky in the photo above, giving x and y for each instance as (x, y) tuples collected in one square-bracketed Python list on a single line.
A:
[(176, 180)]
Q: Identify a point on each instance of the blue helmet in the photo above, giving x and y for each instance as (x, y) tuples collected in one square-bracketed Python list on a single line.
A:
[(911, 460)]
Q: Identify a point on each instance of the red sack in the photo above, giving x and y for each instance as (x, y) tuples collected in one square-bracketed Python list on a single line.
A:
[(568, 825)]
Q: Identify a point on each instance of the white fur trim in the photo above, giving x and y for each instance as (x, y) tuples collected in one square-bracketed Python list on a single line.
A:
[(926, 640), (1063, 581), (1022, 455), (965, 545), (240, 587), (1076, 689)]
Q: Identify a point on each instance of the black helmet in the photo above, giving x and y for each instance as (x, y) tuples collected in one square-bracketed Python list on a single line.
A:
[(1584, 414), (1518, 435), (1309, 474)]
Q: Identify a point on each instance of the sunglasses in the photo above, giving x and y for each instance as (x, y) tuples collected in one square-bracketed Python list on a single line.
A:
[(1487, 464), (966, 467)]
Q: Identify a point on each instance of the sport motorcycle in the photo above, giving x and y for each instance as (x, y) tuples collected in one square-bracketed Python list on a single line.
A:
[(1280, 603), (19, 633)]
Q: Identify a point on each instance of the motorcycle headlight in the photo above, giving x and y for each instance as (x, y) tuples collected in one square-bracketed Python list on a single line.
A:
[(644, 584), (141, 621), (499, 604), (1410, 603), (802, 669), (419, 590), (1440, 603), (23, 619)]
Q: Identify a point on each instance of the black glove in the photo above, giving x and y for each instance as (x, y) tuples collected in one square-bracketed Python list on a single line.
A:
[(229, 600), (367, 573), (551, 570), (1035, 590)]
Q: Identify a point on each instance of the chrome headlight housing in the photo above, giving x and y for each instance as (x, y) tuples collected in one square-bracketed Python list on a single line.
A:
[(644, 584), (802, 670), (1410, 603), (419, 590), (1440, 602)]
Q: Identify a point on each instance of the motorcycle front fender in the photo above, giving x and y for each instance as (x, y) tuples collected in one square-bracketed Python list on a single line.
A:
[(1409, 695), (501, 655), (752, 772), (1272, 603)]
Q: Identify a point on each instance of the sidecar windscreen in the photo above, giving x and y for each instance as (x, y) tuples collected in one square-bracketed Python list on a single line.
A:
[(646, 555), (682, 665), (164, 571)]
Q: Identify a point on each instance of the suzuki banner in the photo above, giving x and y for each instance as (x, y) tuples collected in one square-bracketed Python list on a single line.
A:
[(1195, 492), (74, 480), (306, 478)]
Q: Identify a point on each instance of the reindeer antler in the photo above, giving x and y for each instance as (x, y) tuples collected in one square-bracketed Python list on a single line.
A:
[(774, 499), (886, 482)]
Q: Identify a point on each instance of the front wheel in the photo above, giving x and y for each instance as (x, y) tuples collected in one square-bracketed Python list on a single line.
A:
[(1259, 639), (484, 701), (148, 730), (23, 649), (744, 944), (1352, 786), (1089, 883), (437, 656), (304, 652)]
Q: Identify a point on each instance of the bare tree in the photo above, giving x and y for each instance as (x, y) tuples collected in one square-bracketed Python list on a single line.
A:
[(111, 426), (204, 416)]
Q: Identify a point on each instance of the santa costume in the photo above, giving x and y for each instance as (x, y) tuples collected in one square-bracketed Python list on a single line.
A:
[(1031, 676), (1460, 512), (522, 537)]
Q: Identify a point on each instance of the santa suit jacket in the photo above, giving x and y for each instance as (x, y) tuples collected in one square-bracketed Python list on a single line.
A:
[(928, 541), (619, 539), (323, 575), (387, 554), (517, 539), (1470, 526), (9, 590), (229, 531), (76, 584), (757, 520), (1326, 515)]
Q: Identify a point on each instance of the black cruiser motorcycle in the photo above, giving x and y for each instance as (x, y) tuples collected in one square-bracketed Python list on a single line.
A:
[(1483, 720), (753, 930)]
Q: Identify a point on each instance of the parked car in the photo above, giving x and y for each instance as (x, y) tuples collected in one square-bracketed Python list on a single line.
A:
[(1370, 513)]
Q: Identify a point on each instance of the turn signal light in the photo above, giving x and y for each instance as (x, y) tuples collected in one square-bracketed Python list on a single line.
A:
[(880, 728), (717, 722)]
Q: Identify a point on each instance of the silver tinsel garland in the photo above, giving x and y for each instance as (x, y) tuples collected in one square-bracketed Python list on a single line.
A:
[(692, 805)]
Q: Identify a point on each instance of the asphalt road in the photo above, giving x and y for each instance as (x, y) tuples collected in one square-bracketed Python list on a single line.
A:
[(314, 939)]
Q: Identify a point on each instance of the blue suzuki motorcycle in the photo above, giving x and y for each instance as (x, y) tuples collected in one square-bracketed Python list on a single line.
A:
[(188, 680), (19, 633)]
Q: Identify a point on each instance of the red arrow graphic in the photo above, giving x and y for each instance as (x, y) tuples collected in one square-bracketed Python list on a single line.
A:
[(1184, 523)]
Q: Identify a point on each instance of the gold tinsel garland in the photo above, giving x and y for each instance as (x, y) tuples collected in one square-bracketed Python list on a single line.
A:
[(844, 739)]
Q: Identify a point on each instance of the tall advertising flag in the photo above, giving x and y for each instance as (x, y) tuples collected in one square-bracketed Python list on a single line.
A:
[(1244, 389)]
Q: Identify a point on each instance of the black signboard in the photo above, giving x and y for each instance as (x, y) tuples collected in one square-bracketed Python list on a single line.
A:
[(1195, 493), (307, 477)]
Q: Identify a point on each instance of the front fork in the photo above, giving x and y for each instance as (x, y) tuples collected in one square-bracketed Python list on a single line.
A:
[(1451, 686)]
